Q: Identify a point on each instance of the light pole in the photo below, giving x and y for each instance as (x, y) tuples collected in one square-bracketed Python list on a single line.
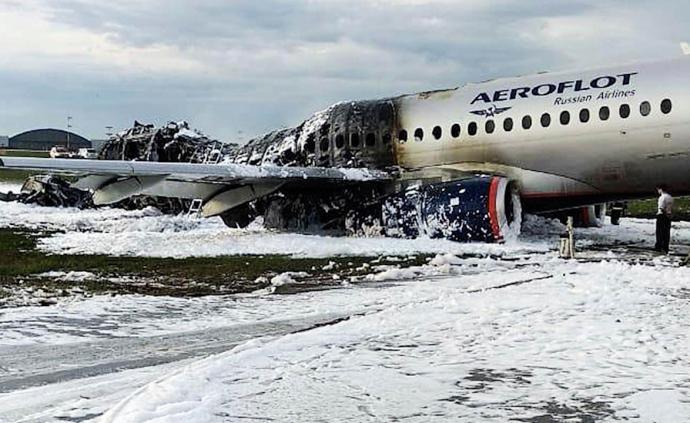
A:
[(108, 131), (69, 126)]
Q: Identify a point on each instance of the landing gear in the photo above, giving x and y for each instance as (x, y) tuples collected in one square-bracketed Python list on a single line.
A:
[(617, 211)]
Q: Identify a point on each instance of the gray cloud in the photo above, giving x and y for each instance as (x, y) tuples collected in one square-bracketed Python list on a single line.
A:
[(255, 65)]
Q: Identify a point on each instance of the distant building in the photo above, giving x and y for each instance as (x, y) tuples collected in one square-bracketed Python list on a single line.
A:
[(4, 141), (45, 139)]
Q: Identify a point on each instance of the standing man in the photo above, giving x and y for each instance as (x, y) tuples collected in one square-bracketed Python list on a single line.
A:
[(663, 219)]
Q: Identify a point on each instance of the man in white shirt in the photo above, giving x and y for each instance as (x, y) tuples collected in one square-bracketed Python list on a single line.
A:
[(663, 219)]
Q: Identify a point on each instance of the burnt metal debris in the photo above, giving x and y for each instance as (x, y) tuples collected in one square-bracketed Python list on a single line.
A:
[(174, 142), (53, 191), (46, 190), (346, 135)]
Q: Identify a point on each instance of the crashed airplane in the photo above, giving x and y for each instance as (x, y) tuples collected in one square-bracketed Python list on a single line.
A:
[(461, 164)]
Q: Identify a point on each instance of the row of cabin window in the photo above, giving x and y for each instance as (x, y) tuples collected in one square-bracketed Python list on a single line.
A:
[(490, 125), (355, 141)]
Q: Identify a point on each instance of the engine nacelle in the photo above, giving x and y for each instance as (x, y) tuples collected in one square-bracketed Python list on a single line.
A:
[(483, 209)]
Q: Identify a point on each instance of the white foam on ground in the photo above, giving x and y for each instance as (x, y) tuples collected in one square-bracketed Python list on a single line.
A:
[(439, 346), (14, 187), (148, 233), (593, 337)]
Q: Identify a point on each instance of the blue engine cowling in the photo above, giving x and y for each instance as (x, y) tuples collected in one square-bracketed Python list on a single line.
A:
[(479, 209)]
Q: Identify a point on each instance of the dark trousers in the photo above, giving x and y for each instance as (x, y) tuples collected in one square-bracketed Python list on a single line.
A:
[(663, 232)]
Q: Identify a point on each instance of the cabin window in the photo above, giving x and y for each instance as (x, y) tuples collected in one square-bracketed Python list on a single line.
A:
[(386, 139), (527, 122), (437, 132), (624, 111), (354, 140), (545, 120), (370, 139), (402, 136), (455, 130), (508, 124), (323, 146), (565, 118), (604, 113), (472, 128), (666, 106), (419, 134), (340, 141), (645, 108), (489, 126), (584, 115)]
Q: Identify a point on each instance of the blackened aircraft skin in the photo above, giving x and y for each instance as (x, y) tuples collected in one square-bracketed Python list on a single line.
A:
[(549, 141)]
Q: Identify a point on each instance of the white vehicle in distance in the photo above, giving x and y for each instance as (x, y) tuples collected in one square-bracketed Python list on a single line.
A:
[(60, 152), (87, 153)]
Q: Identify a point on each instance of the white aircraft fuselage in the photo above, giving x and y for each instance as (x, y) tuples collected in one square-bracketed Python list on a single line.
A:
[(583, 156)]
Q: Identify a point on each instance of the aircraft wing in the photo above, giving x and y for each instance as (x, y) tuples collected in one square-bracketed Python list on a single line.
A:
[(221, 186)]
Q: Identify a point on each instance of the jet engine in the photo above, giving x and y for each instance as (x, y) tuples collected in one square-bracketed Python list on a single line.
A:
[(483, 208)]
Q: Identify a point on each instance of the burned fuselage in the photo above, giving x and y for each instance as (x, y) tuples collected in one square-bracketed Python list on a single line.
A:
[(346, 135), (367, 134)]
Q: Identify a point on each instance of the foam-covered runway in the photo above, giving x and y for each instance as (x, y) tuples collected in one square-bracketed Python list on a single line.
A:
[(514, 333)]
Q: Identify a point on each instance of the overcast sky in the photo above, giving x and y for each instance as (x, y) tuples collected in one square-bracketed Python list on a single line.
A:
[(243, 67)]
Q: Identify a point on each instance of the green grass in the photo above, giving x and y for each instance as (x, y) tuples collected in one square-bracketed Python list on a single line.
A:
[(19, 175), (162, 276), (647, 208), (15, 175), (23, 153)]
